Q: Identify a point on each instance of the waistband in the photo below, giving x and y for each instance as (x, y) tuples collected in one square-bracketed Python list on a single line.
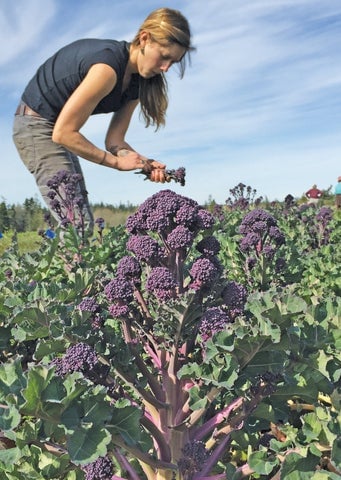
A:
[(24, 109)]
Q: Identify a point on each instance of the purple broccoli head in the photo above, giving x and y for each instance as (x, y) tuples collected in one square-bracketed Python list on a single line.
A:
[(80, 357), (161, 283), (100, 469), (203, 272), (180, 237), (119, 289), (214, 320)]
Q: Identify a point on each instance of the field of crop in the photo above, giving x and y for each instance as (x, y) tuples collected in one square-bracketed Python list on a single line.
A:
[(185, 344)]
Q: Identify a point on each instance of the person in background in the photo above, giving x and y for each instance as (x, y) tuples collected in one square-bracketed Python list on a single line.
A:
[(337, 192), (314, 194), (94, 76)]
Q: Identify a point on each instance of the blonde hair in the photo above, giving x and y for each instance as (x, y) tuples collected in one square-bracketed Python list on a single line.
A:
[(165, 26)]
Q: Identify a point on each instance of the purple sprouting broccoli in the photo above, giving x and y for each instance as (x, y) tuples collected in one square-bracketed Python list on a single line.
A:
[(260, 242), (180, 238), (80, 357), (214, 320), (119, 288), (205, 219), (204, 272), (119, 310), (129, 267), (66, 201), (234, 296), (89, 304), (257, 220), (165, 210), (193, 460), (259, 229), (161, 283), (100, 469), (242, 197), (178, 175), (208, 246), (322, 230), (186, 215), (145, 248)]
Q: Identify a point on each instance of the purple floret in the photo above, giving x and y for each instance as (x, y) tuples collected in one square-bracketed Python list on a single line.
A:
[(119, 289), (249, 242), (158, 220), (194, 457), (324, 215), (162, 283), (179, 238), (234, 296), (129, 267), (186, 214), (276, 235), (269, 252), (119, 310), (179, 175), (209, 246), (257, 220), (80, 357), (89, 304), (163, 211), (205, 219), (145, 248), (203, 272), (135, 223), (100, 469), (214, 320)]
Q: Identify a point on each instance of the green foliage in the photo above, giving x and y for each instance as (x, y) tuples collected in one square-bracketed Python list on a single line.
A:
[(263, 394)]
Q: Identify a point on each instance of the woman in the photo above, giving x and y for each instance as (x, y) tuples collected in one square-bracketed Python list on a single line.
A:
[(94, 76)]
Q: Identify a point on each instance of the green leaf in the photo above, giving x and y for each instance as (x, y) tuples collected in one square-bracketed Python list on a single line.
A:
[(86, 444), (10, 456), (12, 380), (126, 421), (336, 452), (261, 463), (38, 380), (9, 418), (299, 467), (48, 347)]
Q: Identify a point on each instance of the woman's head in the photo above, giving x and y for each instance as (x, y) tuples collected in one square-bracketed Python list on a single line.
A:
[(163, 39), (167, 27)]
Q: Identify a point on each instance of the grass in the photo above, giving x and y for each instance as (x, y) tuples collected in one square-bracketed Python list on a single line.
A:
[(30, 241)]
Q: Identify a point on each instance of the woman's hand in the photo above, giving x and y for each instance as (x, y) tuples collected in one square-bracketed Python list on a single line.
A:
[(130, 160)]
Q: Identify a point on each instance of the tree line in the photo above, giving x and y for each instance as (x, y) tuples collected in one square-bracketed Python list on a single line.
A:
[(29, 216)]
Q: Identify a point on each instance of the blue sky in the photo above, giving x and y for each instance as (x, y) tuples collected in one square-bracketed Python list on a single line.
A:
[(261, 103)]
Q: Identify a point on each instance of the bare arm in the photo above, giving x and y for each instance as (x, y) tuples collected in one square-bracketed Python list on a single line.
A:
[(118, 127), (98, 83)]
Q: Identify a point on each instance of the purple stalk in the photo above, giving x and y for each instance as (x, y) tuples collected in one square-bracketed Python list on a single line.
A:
[(125, 465), (220, 417)]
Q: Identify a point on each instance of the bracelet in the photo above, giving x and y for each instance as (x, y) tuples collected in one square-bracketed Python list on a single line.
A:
[(103, 159)]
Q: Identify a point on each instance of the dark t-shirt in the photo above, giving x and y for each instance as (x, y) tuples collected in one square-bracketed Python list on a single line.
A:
[(57, 78)]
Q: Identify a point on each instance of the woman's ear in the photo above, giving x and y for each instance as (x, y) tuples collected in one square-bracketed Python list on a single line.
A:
[(144, 37)]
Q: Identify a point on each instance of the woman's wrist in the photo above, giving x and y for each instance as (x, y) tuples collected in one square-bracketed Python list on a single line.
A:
[(103, 158)]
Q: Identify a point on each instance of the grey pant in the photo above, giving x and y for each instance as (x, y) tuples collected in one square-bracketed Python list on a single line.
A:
[(44, 158)]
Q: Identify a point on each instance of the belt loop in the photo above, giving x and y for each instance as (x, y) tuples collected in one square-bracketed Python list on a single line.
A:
[(22, 107)]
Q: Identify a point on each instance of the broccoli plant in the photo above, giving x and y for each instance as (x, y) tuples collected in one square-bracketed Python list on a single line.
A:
[(163, 367)]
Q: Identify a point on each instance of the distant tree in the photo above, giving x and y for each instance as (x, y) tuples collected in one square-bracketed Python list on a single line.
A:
[(5, 222)]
